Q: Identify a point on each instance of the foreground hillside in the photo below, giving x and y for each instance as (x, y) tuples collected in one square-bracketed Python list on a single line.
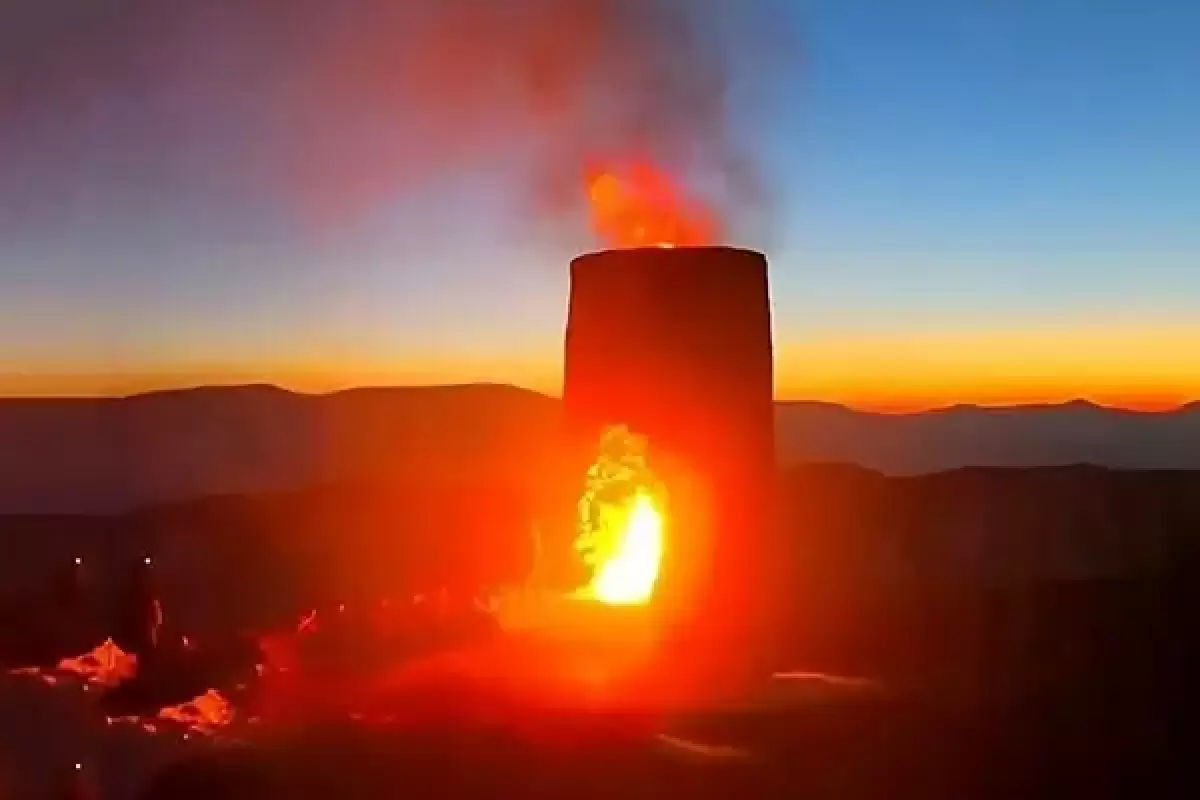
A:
[(115, 454), (880, 568), (979, 525), (1039, 621)]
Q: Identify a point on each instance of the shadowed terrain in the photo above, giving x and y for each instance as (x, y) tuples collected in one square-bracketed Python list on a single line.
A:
[(885, 572), (115, 454), (1032, 627)]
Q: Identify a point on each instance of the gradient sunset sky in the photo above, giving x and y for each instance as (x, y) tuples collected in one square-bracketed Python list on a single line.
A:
[(994, 201)]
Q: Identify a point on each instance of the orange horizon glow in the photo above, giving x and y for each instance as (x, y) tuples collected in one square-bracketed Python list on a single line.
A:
[(857, 395), (881, 400), (902, 406), (1138, 368)]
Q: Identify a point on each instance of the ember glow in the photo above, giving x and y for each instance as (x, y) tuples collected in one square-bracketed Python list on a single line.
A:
[(206, 714), (105, 666), (621, 522), (640, 206)]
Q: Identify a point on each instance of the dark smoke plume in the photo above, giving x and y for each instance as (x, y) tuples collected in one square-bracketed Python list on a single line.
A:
[(338, 107), (554, 85)]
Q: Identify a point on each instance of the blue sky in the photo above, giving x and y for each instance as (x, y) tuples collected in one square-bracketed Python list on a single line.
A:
[(937, 169), (1022, 158)]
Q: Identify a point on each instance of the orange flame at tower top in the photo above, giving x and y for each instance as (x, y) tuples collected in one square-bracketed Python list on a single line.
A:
[(640, 206)]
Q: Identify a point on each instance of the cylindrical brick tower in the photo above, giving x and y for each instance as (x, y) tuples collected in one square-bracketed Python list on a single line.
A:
[(675, 343)]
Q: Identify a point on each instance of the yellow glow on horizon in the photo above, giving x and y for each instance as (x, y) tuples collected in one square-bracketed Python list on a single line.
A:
[(1123, 366)]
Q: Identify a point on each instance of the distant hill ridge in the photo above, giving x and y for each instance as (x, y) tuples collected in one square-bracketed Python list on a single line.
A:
[(101, 455), (1077, 403), (272, 388)]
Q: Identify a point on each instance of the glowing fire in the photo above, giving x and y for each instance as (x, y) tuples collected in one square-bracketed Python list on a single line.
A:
[(628, 576), (621, 523), (639, 206)]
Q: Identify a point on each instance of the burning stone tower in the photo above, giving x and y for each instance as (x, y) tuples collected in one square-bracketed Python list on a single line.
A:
[(675, 343)]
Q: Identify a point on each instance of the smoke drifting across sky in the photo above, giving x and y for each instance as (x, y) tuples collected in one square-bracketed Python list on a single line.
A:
[(331, 110)]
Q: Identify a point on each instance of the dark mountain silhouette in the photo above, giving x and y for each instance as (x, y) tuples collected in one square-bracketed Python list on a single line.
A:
[(113, 454), (1020, 436), (109, 455)]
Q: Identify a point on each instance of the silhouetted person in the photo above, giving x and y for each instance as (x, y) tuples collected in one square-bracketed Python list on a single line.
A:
[(68, 613), (49, 627), (139, 613), (67, 593), (231, 775), (76, 784)]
